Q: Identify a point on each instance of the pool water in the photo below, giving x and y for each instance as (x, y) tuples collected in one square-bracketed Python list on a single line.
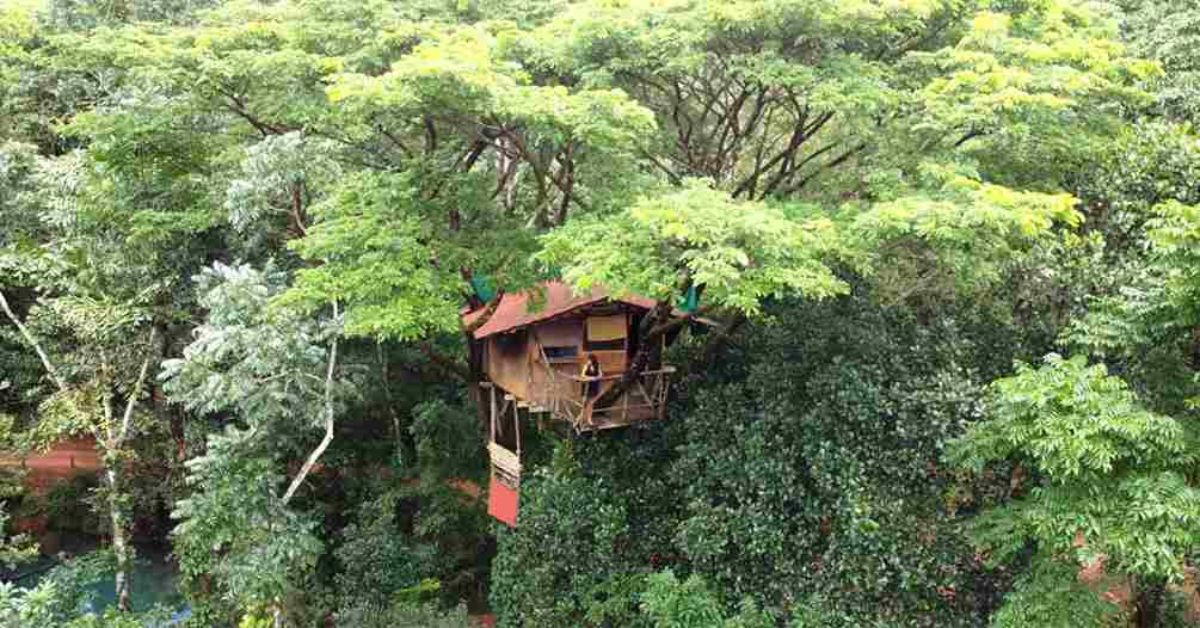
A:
[(153, 579), (153, 582)]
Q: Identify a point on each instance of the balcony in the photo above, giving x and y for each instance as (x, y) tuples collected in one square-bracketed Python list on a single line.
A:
[(564, 396)]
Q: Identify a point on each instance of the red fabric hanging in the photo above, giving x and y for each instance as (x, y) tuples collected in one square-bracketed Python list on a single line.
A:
[(502, 502)]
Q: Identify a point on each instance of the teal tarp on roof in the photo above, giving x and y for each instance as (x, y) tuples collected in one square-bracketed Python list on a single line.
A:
[(483, 287)]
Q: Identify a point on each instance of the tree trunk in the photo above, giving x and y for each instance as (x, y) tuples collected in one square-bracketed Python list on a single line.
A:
[(120, 543), (475, 373), (649, 331), (329, 417), (1149, 603)]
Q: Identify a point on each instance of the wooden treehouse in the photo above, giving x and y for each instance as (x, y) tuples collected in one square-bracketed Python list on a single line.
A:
[(560, 355)]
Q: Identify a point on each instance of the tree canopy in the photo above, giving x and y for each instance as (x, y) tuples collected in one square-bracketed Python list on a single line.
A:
[(940, 261)]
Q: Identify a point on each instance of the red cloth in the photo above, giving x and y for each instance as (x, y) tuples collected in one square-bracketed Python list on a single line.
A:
[(502, 502)]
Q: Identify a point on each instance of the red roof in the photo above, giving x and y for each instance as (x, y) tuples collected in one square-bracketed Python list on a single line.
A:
[(516, 310)]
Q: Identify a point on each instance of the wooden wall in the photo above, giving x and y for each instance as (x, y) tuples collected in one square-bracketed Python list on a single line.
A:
[(508, 362), (514, 361)]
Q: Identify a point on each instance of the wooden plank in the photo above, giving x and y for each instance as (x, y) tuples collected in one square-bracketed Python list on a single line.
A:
[(504, 459), (492, 398)]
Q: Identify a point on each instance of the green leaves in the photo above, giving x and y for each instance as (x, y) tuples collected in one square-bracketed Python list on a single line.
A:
[(376, 247), (235, 530), (1072, 422), (1050, 594), (267, 366), (450, 75), (952, 233), (739, 252), (1110, 475), (690, 604)]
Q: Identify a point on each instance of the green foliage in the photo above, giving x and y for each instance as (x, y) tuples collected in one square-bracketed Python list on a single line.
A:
[(819, 456), (1166, 32), (59, 596), (739, 253), (1111, 476), (674, 604), (881, 205), (16, 549), (972, 230), (447, 439), (1051, 594), (372, 244), (266, 365), (403, 615), (238, 545), (378, 563), (566, 521)]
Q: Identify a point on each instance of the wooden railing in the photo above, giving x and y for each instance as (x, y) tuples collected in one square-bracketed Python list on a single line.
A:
[(566, 397)]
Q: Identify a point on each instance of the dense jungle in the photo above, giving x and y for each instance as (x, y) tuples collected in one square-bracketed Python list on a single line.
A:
[(926, 274)]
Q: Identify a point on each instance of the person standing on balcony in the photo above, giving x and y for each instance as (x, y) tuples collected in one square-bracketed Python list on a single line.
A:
[(591, 375)]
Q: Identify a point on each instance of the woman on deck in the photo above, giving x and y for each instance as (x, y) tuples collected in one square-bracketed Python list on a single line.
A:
[(591, 386)]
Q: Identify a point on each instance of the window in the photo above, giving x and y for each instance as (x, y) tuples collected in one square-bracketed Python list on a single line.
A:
[(561, 352), (605, 333), (512, 344), (605, 345)]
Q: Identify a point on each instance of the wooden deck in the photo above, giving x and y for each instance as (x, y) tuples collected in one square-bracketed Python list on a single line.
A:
[(565, 398)]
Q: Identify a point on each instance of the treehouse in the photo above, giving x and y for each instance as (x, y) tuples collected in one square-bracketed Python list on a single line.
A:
[(571, 360)]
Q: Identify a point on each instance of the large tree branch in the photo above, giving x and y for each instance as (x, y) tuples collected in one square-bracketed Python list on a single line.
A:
[(391, 137), (672, 176), (833, 163), (329, 414), (33, 342), (431, 138), (785, 159), (657, 323), (136, 392), (237, 105), (486, 315)]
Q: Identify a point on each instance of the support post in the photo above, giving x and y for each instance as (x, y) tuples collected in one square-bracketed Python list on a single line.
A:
[(492, 393)]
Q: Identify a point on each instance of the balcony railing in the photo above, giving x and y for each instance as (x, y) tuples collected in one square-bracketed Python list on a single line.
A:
[(566, 397)]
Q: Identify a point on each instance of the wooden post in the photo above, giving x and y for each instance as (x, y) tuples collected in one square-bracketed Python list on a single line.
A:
[(660, 396), (625, 407)]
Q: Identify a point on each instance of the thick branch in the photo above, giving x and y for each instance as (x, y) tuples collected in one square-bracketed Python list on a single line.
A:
[(297, 211), (33, 342), (328, 438), (672, 176), (968, 136), (654, 326), (484, 317), (430, 136), (131, 402), (832, 164), (238, 107)]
